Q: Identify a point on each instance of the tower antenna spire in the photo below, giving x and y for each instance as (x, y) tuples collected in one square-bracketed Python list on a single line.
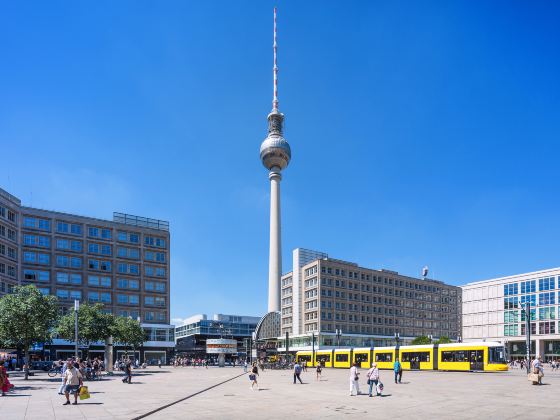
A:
[(275, 70)]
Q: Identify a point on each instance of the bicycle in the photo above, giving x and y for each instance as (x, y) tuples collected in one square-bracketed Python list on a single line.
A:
[(53, 372)]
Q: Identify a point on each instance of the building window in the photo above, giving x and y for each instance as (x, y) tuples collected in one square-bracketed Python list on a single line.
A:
[(62, 261), (154, 241), (62, 244), (546, 298), (528, 286), (128, 284), (75, 262), (93, 232), (547, 283), (510, 289)]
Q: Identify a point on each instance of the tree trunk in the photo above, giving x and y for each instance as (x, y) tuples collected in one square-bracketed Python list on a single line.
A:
[(26, 369)]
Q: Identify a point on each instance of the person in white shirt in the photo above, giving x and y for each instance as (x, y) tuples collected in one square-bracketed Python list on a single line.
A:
[(354, 380), (72, 381), (373, 379)]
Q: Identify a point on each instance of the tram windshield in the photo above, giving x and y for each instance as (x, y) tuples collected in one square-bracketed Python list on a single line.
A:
[(496, 355)]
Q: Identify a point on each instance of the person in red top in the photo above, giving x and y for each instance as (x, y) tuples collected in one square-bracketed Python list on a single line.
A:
[(5, 384)]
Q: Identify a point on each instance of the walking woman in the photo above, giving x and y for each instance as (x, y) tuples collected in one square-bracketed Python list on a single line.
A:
[(4, 381), (253, 376), (319, 370), (354, 379), (373, 379)]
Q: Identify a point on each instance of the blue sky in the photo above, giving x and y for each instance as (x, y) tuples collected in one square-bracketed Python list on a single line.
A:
[(422, 132)]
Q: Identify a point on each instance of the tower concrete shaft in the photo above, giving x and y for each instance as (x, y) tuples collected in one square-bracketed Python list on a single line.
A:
[(275, 252)]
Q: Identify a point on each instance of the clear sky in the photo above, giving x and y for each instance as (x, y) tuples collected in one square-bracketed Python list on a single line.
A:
[(422, 132)]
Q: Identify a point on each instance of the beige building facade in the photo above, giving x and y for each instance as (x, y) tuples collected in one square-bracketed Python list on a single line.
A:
[(121, 263), (337, 302)]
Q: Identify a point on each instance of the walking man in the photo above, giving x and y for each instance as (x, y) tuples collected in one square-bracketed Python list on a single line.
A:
[(72, 381), (397, 367), (297, 372)]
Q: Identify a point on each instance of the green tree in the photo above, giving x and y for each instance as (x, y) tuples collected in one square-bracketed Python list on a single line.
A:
[(444, 340), (27, 317), (421, 340), (128, 332), (93, 324)]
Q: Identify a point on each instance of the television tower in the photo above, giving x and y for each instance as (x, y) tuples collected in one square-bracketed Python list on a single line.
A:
[(275, 155)]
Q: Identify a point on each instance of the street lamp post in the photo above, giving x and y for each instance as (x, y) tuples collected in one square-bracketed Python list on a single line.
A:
[(527, 309), (397, 337), (338, 333), (313, 348), (76, 307)]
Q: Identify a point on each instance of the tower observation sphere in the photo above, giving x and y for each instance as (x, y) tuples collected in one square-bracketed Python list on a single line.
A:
[(275, 150)]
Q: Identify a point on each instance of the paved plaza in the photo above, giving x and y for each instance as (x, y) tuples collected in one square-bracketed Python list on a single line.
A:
[(447, 395)]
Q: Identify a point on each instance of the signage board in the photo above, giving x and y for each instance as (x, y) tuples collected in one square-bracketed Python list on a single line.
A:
[(221, 346)]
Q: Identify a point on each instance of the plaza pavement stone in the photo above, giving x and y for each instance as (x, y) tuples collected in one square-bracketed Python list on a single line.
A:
[(429, 395)]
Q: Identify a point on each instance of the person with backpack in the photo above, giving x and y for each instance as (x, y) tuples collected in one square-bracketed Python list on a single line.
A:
[(397, 367), (297, 372), (373, 379)]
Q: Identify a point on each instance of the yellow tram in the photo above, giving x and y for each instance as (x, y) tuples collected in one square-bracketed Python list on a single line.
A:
[(476, 356)]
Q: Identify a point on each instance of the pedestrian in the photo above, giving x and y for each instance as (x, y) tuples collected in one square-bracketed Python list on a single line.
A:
[(253, 376), (319, 369), (63, 368), (397, 367), (297, 372), (245, 366), (127, 372), (354, 379), (73, 380), (159, 363), (373, 379), (5, 384), (537, 368)]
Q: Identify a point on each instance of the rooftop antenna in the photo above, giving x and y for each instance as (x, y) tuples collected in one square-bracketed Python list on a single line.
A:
[(275, 70)]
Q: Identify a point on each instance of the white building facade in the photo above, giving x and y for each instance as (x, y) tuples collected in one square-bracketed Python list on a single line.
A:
[(493, 311)]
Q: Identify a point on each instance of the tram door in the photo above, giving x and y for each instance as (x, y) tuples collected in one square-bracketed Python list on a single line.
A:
[(476, 358)]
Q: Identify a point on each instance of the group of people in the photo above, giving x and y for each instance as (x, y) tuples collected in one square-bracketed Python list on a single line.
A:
[(186, 361), (374, 383), (89, 368)]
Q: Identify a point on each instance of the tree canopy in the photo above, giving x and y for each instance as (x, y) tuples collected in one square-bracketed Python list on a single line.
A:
[(93, 324), (423, 339), (128, 331), (27, 317), (444, 340)]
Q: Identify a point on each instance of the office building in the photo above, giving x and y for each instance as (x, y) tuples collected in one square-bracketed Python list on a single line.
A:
[(338, 302), (493, 310), (121, 263), (192, 335)]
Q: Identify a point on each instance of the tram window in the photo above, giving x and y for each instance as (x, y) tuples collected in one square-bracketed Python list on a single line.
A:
[(383, 357), (341, 357), (304, 358), (420, 356), (454, 356), (360, 358), (496, 355), (324, 358)]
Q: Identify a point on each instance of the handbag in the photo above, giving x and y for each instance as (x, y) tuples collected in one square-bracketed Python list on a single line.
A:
[(252, 377), (84, 393)]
